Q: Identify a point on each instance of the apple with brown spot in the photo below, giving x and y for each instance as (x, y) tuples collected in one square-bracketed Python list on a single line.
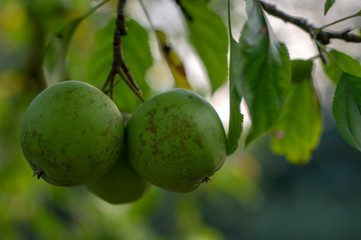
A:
[(71, 134), (176, 140)]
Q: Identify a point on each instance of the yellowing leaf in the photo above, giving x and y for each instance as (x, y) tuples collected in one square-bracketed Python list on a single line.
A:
[(296, 134), (174, 62)]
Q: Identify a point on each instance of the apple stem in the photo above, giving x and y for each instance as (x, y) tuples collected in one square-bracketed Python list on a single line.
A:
[(119, 66)]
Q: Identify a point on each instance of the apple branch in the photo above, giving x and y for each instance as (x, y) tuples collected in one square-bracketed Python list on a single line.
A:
[(119, 66), (319, 34)]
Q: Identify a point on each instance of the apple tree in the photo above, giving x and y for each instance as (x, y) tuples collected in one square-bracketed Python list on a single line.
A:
[(278, 92)]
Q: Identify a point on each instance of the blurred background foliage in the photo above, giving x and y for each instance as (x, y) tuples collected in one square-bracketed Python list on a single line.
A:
[(256, 195)]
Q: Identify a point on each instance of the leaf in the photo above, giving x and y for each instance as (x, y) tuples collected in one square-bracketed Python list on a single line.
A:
[(328, 5), (174, 62), (54, 65), (346, 62), (297, 133), (137, 57), (235, 95), (208, 35), (100, 58), (346, 108), (235, 118), (265, 71)]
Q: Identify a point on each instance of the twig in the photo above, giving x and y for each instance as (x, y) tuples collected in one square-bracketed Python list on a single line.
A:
[(358, 14), (323, 48), (184, 10), (95, 8), (119, 66), (110, 78), (322, 36)]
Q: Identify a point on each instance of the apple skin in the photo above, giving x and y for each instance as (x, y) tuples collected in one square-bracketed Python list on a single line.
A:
[(122, 184), (71, 134), (176, 140)]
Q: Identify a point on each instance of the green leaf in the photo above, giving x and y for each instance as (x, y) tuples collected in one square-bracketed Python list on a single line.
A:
[(235, 117), (101, 57), (346, 108), (208, 35), (297, 133), (55, 60), (235, 95), (265, 71), (137, 57), (328, 5), (346, 62), (54, 65)]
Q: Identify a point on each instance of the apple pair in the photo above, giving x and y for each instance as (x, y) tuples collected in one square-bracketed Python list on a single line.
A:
[(73, 134)]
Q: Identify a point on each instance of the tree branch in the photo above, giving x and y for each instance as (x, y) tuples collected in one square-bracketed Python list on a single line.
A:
[(322, 36)]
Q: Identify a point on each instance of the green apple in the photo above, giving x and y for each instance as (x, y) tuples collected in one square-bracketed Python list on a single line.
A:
[(176, 140), (122, 184), (71, 134)]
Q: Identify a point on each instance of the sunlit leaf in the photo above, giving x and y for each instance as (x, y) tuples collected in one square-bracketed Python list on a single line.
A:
[(174, 63), (346, 62), (101, 57), (208, 35), (347, 108), (328, 5), (297, 133), (265, 71), (55, 60)]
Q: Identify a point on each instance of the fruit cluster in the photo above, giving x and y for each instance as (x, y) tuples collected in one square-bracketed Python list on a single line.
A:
[(73, 134)]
